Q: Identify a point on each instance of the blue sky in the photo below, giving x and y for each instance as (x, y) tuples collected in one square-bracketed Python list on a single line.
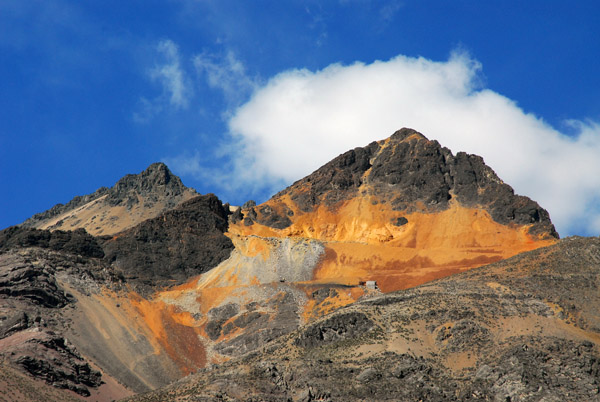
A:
[(241, 98)]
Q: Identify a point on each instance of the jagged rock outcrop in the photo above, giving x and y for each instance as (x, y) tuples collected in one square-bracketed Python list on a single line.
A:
[(73, 242), (413, 174), (155, 182), (334, 329), (35, 305), (173, 247), (133, 199), (25, 281), (401, 211), (52, 359), (22, 387)]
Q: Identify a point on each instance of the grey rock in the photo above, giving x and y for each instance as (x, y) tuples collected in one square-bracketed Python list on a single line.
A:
[(339, 327), (367, 375)]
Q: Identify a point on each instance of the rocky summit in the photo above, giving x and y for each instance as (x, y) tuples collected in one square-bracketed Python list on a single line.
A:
[(132, 200), (402, 211), (397, 271)]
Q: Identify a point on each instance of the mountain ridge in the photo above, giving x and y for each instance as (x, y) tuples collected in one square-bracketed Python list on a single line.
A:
[(398, 207), (133, 198), (396, 163), (178, 282)]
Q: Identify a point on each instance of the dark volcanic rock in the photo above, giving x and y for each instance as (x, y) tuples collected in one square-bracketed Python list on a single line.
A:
[(400, 221), (19, 280), (463, 334), (323, 293), (223, 313), (17, 322), (236, 216), (59, 364), (249, 204), (415, 174), (217, 317), (154, 182), (174, 246), (336, 181), (272, 218), (416, 168), (29, 276), (72, 242), (336, 328)]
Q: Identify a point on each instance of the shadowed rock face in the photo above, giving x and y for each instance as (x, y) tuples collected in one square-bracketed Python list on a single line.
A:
[(73, 242), (35, 285), (20, 279), (59, 364), (173, 247), (414, 174)]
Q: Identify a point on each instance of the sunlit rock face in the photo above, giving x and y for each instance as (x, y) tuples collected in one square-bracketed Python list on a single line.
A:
[(402, 211), (132, 200), (525, 328), (166, 281)]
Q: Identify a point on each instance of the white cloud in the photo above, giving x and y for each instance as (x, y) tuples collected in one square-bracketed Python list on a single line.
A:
[(145, 110), (226, 73), (171, 76), (176, 89), (301, 119), (389, 10)]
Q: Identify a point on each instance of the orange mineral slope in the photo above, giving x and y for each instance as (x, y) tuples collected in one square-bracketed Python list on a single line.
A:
[(402, 211), (362, 244)]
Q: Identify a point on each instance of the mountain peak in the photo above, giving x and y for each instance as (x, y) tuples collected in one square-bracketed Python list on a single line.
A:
[(157, 180), (407, 133), (411, 174), (134, 198), (159, 170), (407, 205)]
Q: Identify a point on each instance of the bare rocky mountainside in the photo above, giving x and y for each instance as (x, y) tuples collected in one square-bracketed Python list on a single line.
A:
[(524, 329), (398, 271), (132, 200)]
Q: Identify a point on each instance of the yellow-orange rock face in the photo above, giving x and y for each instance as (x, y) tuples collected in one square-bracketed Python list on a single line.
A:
[(400, 212), (362, 244)]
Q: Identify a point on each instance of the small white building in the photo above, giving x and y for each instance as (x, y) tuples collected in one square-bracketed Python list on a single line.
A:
[(371, 285)]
